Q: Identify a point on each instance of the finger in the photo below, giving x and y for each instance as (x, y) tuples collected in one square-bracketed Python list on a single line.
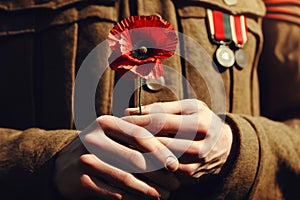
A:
[(100, 189), (205, 128), (189, 151), (118, 178), (191, 172), (185, 107), (115, 153), (185, 126), (129, 160), (141, 139), (164, 194)]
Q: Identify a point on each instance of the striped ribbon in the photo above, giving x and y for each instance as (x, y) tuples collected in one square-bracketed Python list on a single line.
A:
[(239, 29), (219, 25), (225, 27)]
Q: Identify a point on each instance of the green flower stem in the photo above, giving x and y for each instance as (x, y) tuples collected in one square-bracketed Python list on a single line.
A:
[(140, 94)]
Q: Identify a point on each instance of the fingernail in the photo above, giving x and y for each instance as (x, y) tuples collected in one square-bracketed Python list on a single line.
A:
[(171, 164)]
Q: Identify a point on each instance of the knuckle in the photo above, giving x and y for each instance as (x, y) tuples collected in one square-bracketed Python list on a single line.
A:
[(204, 122), (190, 171), (201, 105), (158, 122), (194, 106), (135, 158), (156, 107), (126, 178), (203, 126), (137, 134), (194, 102), (190, 104), (195, 150), (157, 104)]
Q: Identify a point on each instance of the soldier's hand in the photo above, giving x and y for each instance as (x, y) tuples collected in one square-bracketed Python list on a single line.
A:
[(118, 151), (192, 131)]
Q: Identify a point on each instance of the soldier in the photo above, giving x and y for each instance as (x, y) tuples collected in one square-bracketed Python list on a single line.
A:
[(255, 155)]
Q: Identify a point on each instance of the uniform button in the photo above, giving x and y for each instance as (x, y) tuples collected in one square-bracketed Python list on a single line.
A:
[(230, 2), (155, 84)]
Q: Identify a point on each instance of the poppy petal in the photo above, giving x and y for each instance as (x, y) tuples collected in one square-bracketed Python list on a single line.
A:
[(120, 43), (151, 29), (160, 39), (156, 71), (149, 70), (120, 62), (132, 33)]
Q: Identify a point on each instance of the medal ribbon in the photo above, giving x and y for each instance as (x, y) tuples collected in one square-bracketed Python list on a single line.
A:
[(239, 30), (219, 24)]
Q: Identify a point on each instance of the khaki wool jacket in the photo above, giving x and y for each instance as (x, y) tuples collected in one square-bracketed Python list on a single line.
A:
[(44, 42)]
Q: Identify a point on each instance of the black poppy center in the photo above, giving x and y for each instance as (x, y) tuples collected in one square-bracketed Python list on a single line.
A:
[(142, 52)]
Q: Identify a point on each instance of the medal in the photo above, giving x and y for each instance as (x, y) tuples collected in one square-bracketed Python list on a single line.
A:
[(155, 84), (225, 56), (241, 58), (220, 30), (239, 37), (224, 29)]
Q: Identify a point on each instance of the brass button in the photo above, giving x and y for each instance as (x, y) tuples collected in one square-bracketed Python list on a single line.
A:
[(230, 2), (155, 84)]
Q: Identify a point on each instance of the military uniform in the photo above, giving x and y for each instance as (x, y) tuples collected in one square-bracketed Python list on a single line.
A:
[(43, 43)]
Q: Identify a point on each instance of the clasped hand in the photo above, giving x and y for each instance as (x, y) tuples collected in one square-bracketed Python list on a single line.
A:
[(144, 156)]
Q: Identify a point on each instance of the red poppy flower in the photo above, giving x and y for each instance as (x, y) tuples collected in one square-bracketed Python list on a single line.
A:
[(138, 44)]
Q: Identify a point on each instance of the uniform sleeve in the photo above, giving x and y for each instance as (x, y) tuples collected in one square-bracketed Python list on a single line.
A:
[(267, 161), (27, 162), (31, 148)]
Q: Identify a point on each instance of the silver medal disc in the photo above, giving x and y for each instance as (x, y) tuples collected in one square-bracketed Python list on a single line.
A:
[(225, 56), (155, 84), (241, 58)]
